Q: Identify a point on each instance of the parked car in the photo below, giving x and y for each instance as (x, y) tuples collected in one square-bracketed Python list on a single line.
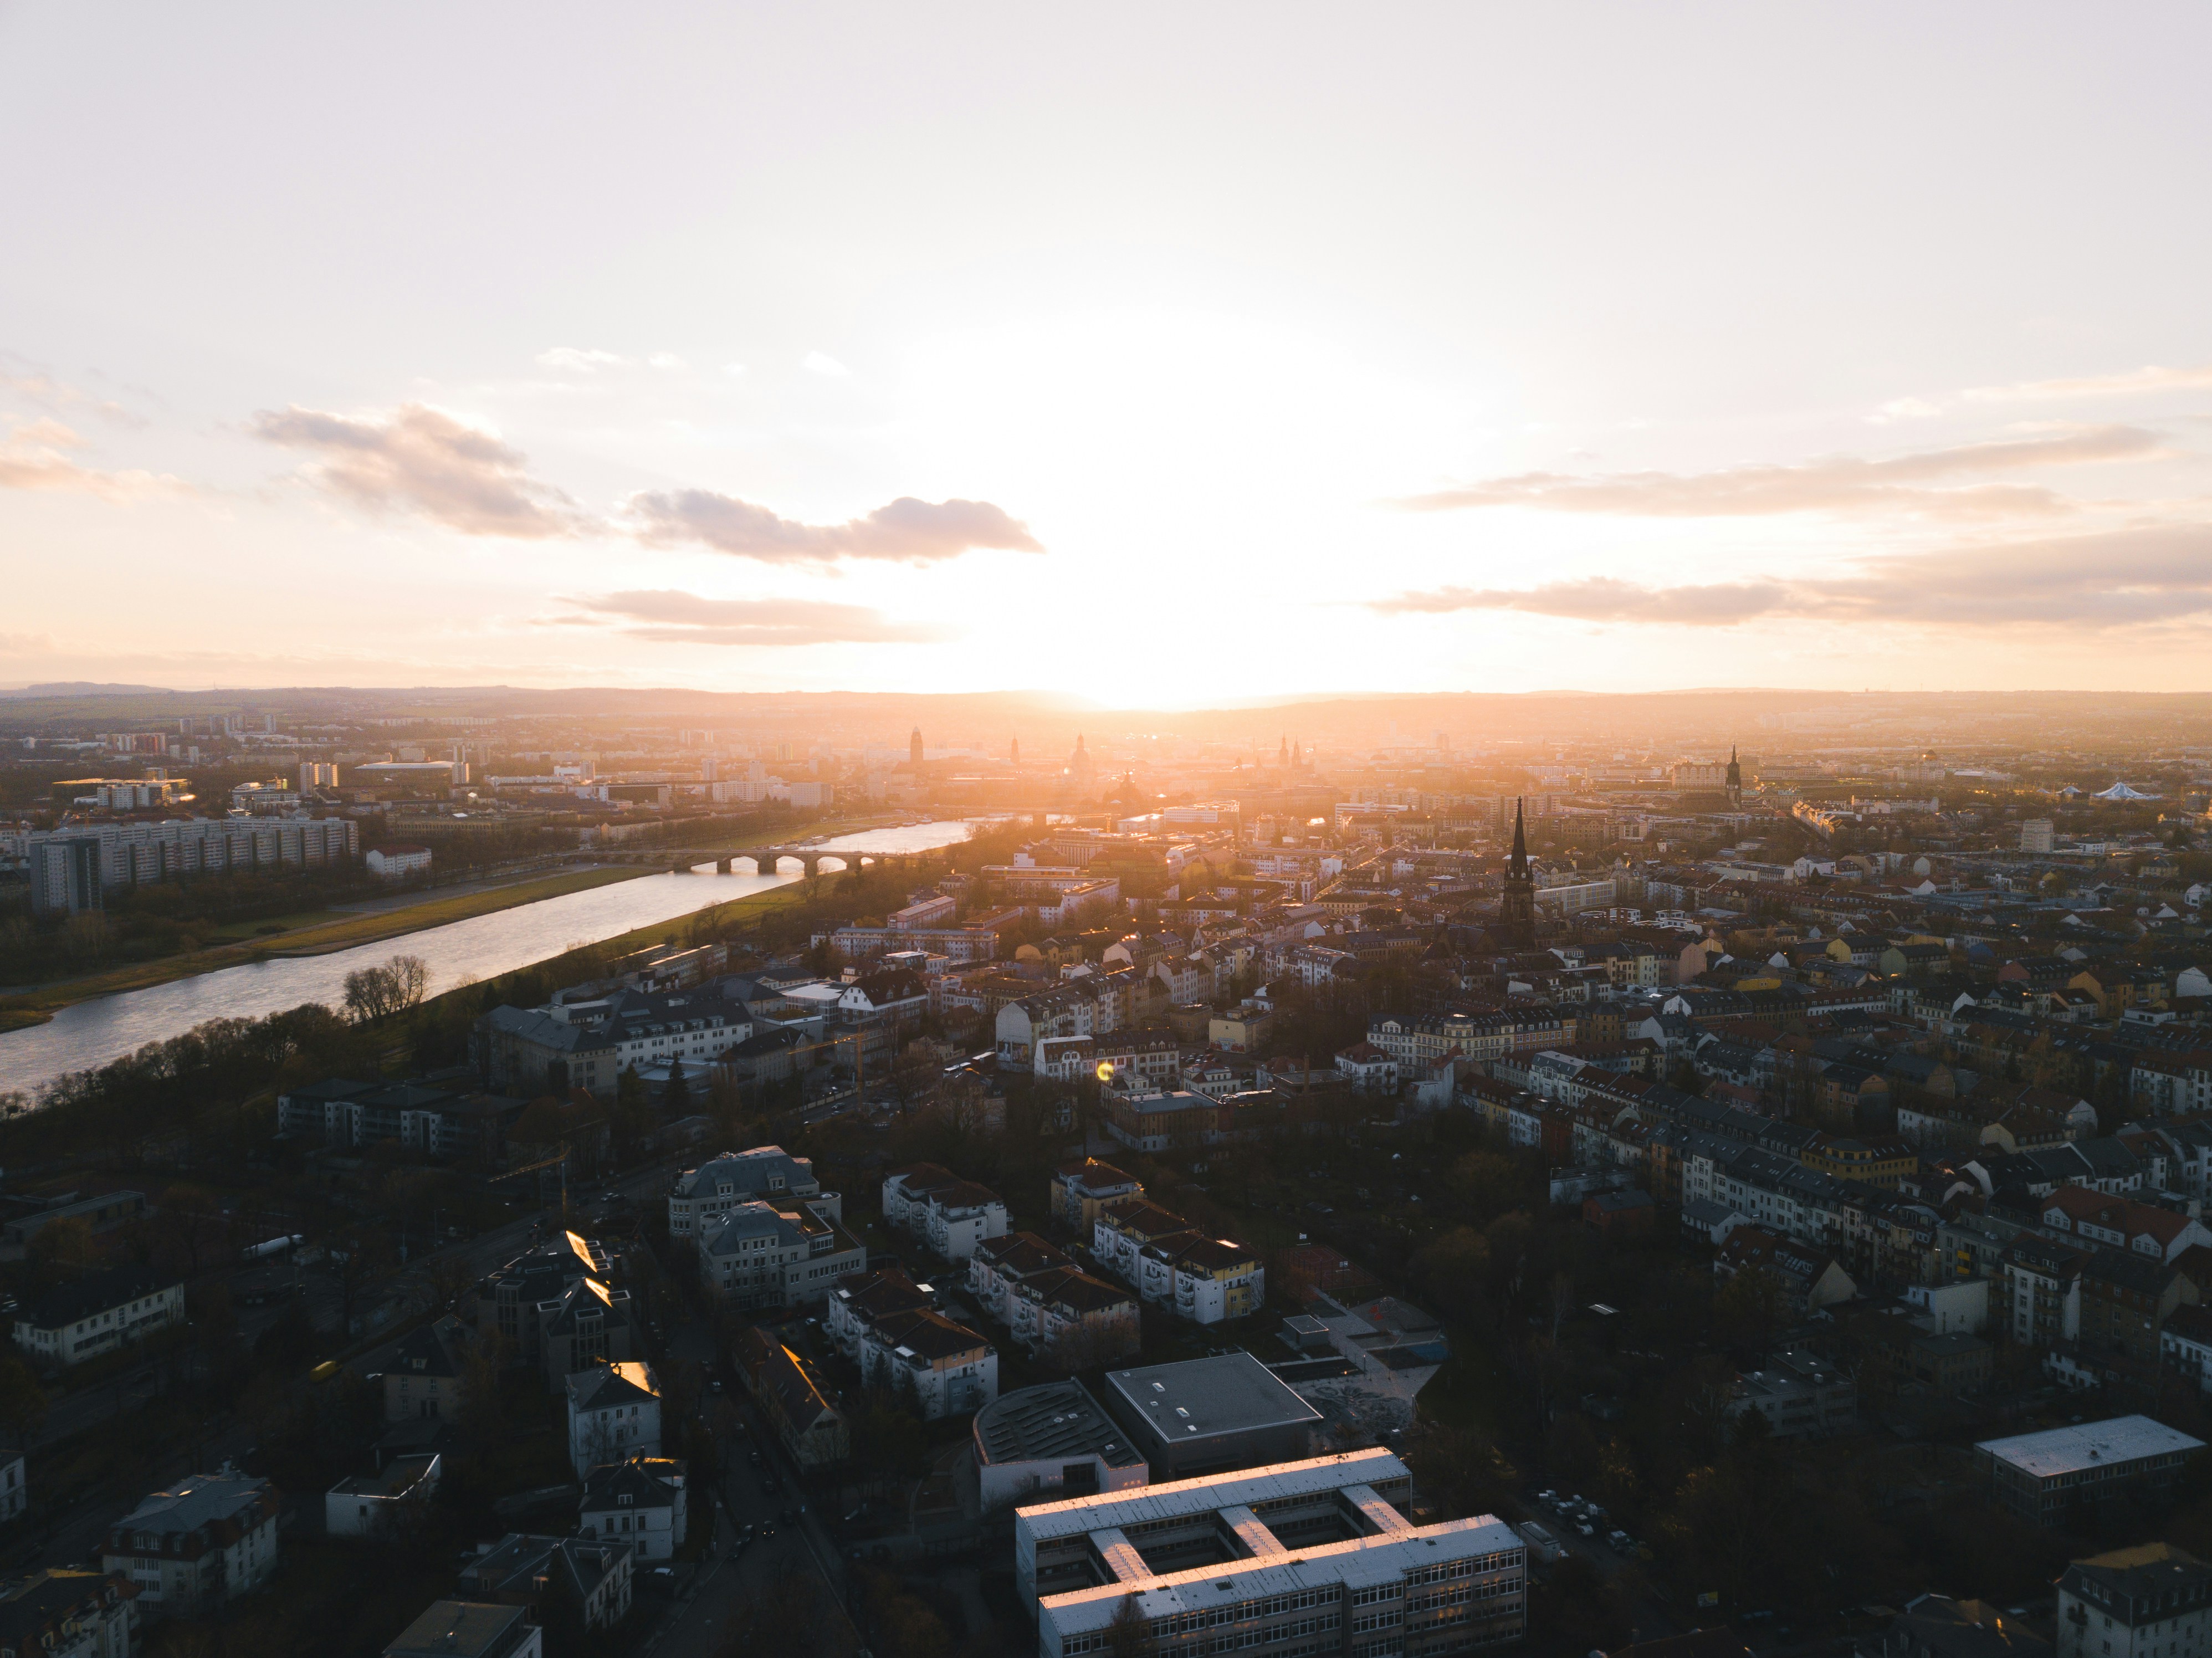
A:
[(1585, 1528)]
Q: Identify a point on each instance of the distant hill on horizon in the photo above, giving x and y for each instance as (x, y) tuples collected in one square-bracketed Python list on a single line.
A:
[(84, 688), (1050, 722)]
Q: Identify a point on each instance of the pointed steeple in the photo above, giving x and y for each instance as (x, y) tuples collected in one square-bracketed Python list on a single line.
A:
[(1516, 907)]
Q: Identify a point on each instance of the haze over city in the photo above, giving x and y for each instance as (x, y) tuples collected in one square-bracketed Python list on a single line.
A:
[(996, 831), (1245, 353)]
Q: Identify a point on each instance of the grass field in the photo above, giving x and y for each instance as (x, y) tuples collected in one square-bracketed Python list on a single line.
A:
[(319, 933)]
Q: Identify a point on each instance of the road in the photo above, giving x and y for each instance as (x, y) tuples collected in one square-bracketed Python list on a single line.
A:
[(700, 1622)]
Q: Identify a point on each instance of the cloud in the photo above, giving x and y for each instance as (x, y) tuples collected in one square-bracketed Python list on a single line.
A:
[(26, 644), (2147, 379), (1604, 598), (823, 363), (21, 378), (422, 461), (2117, 579), (32, 457), (667, 616), (568, 359), (907, 531), (1905, 484)]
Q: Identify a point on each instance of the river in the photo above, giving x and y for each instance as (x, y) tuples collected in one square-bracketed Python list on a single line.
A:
[(94, 1032)]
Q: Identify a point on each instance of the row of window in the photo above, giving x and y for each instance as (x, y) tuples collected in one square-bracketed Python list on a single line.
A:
[(1368, 1597), (1268, 1637), (1467, 1568)]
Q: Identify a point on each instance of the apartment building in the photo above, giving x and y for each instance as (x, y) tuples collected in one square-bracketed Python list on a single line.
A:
[(948, 1214), (1140, 1061), (72, 869), (2152, 1600), (857, 1302), (59, 1612), (759, 1255), (589, 1043), (940, 1367), (519, 1299), (640, 1501), (99, 1313), (188, 1549), (1170, 1263), (1000, 1265), (614, 1414), (1417, 1042), (1178, 1119), (1080, 1190), (2041, 1299), (436, 1114), (765, 1174), (1299, 1559)]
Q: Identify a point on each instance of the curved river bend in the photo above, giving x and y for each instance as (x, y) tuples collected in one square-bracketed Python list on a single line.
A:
[(91, 1033)]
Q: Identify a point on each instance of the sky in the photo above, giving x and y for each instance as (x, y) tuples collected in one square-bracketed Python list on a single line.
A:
[(1161, 354)]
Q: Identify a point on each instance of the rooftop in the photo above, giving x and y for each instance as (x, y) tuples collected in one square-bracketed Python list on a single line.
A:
[(461, 1629), (398, 1475), (2088, 1445), (1055, 1422), (1358, 1562), (1230, 1393), (1076, 1515)]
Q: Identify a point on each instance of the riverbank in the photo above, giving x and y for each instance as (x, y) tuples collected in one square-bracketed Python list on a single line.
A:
[(317, 938)]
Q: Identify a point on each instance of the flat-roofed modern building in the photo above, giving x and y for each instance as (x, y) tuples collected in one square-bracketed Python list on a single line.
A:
[(2040, 1476), (1206, 1415), (1048, 1443), (1302, 1558)]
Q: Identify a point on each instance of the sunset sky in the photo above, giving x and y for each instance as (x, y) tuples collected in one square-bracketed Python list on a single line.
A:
[(1165, 354)]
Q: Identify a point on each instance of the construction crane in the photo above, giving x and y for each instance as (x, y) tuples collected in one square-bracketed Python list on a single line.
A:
[(559, 1159)]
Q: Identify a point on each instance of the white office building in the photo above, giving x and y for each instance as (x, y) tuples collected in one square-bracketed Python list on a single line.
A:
[(1300, 1558)]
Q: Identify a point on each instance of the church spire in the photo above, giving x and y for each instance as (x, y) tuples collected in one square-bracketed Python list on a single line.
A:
[(1516, 909)]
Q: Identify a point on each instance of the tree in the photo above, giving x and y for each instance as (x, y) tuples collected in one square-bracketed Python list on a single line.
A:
[(676, 1099), (374, 994), (785, 1615), (22, 1401), (65, 1245), (1130, 1634), (1748, 1306), (632, 1118), (190, 1221)]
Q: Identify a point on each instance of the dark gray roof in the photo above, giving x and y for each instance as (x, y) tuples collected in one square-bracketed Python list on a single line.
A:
[(1053, 1423), (95, 1292), (1226, 1393)]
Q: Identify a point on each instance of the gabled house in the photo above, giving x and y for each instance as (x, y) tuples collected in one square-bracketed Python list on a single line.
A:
[(594, 1576), (640, 1502), (614, 1414)]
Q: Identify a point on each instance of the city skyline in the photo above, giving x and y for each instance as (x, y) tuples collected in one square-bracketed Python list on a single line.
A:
[(1458, 351)]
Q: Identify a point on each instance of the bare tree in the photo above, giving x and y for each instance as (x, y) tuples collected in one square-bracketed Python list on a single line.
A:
[(373, 994)]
